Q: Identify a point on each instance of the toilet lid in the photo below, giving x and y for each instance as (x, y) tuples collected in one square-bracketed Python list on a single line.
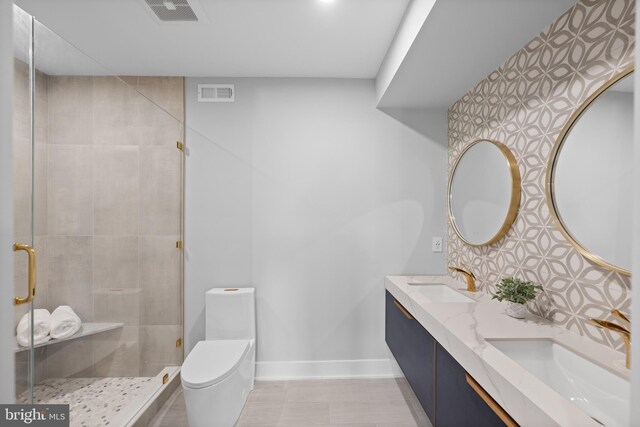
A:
[(212, 361)]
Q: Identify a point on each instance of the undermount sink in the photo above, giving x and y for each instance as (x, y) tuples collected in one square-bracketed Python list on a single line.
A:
[(600, 393), (440, 293)]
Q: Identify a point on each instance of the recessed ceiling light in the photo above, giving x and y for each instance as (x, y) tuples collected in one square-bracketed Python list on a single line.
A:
[(326, 1)]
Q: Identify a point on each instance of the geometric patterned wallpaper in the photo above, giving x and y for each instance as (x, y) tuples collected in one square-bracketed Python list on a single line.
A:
[(524, 104)]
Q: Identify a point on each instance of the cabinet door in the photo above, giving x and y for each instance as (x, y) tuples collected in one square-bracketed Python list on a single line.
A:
[(414, 350), (458, 403)]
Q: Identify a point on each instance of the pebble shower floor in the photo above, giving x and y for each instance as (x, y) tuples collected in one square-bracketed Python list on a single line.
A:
[(94, 402)]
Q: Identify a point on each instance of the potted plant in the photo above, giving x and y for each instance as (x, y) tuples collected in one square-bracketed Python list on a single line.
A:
[(517, 293)]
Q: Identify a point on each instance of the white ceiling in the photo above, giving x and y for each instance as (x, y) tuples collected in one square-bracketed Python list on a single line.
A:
[(460, 43), (238, 38)]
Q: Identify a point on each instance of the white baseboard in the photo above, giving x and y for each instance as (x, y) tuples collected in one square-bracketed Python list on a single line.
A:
[(328, 369)]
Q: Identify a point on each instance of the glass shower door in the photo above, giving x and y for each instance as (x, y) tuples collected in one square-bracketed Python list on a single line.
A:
[(98, 176), (24, 157)]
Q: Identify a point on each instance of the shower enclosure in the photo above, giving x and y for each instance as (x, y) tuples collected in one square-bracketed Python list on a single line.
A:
[(98, 183)]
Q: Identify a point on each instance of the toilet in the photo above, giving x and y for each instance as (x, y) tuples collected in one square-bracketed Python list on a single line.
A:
[(219, 372)]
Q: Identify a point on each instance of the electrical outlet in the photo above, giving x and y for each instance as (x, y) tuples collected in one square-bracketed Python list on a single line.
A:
[(436, 244)]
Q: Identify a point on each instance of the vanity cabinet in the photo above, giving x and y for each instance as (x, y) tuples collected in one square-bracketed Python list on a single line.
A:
[(460, 401), (448, 395), (414, 350)]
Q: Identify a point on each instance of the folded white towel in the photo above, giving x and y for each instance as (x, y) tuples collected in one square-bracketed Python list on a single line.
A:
[(42, 326), (64, 322)]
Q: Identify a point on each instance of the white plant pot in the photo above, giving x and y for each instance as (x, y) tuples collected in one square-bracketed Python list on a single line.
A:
[(516, 310)]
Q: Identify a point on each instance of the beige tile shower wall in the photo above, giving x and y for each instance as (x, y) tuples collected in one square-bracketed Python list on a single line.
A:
[(113, 220), (524, 104)]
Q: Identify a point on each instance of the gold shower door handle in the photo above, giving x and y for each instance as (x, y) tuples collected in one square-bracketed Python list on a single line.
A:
[(32, 272)]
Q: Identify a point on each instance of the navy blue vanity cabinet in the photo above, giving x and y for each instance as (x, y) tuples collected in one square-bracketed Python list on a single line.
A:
[(460, 401), (414, 350)]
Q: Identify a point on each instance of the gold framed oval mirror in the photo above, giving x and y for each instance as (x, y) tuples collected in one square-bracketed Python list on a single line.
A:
[(483, 192), (589, 174)]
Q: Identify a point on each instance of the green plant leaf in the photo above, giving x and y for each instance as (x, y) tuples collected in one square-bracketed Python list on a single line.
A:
[(516, 290)]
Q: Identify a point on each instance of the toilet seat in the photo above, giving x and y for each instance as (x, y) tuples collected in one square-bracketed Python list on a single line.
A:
[(210, 362)]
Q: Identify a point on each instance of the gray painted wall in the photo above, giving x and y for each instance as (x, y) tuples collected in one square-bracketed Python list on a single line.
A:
[(305, 190)]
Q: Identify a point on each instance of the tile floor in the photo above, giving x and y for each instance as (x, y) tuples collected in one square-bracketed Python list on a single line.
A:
[(356, 403)]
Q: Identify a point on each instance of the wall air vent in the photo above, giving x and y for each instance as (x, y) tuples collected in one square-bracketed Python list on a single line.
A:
[(172, 10), (216, 93)]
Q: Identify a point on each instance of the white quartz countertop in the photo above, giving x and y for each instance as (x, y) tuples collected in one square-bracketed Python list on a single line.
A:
[(463, 330)]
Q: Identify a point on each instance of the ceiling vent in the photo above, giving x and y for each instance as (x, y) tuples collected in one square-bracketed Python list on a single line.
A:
[(216, 93), (172, 10)]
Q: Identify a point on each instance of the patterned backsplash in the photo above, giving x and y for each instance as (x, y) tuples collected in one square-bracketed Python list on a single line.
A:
[(524, 104)]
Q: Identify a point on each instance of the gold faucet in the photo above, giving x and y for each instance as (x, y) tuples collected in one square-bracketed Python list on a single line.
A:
[(624, 332), (620, 315), (471, 278)]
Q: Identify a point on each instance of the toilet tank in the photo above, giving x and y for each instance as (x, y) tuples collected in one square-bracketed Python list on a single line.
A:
[(230, 314)]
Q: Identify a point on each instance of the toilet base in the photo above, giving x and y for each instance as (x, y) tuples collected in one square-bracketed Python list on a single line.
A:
[(220, 405)]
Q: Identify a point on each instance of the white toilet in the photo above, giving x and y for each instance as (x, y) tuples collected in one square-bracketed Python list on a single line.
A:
[(218, 374)]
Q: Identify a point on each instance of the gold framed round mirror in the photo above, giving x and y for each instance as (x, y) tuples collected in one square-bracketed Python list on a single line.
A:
[(483, 192), (589, 173)]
